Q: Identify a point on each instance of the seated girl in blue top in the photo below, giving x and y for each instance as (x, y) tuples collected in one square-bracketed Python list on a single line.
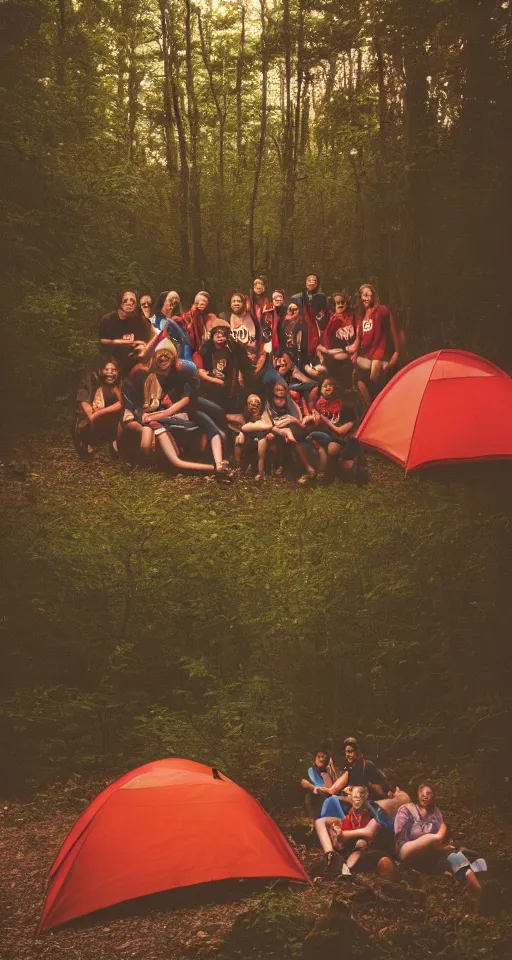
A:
[(320, 778)]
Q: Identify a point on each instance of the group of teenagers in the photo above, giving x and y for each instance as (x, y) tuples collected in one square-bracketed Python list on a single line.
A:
[(274, 384), (364, 819)]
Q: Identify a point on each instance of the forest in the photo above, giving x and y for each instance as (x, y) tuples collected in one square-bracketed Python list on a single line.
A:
[(171, 143)]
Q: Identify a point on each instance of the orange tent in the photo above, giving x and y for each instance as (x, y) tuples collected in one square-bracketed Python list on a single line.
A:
[(446, 407), (171, 823)]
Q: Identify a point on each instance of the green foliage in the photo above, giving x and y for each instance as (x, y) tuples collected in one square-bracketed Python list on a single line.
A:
[(147, 617)]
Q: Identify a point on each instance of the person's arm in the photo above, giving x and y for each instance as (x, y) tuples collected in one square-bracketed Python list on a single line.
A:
[(168, 412), (311, 786), (262, 358), (402, 819), (443, 830), (364, 833), (256, 426), (341, 430), (149, 347), (207, 377), (340, 785), (96, 414), (398, 341), (378, 789)]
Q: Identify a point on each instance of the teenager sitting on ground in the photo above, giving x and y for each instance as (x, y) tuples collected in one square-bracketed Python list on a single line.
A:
[(99, 409), (283, 370), (330, 422), (320, 777), (199, 320), (422, 842), (357, 772), (219, 361), (124, 333), (286, 424), (254, 438), (163, 402), (350, 835), (380, 343)]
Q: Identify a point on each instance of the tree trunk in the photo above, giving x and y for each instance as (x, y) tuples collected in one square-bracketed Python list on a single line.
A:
[(416, 180), (194, 196), (261, 141), (221, 111), (240, 161), (173, 100)]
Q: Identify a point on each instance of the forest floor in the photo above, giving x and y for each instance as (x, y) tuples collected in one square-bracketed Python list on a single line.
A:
[(44, 479), (436, 916)]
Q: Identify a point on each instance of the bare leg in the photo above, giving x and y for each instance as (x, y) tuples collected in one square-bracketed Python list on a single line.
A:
[(216, 445), (413, 847), (304, 458), (262, 453), (323, 835), (473, 885), (168, 446), (322, 459), (365, 394), (146, 437), (239, 449), (376, 370)]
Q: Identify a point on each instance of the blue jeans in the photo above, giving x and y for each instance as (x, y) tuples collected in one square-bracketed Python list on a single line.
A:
[(332, 807), (321, 437), (205, 424)]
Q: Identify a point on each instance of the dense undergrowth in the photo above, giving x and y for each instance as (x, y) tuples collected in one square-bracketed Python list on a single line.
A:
[(146, 616)]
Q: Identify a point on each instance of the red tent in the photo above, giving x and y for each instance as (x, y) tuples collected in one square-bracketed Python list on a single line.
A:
[(171, 823), (446, 407)]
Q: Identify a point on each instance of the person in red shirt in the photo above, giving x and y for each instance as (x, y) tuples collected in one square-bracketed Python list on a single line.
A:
[(340, 341), (353, 833), (257, 301), (380, 343), (329, 422), (198, 320)]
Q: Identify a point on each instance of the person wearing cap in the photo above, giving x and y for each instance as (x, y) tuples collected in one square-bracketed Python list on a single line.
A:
[(163, 403)]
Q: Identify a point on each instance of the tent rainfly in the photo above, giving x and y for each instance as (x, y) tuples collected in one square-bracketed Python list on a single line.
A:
[(170, 823), (445, 407)]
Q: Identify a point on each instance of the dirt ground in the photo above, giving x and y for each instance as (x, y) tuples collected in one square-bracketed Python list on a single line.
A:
[(435, 915)]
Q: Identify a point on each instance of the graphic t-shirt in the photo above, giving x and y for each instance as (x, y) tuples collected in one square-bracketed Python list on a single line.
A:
[(340, 332), (291, 336), (243, 330), (330, 409), (376, 333), (132, 328)]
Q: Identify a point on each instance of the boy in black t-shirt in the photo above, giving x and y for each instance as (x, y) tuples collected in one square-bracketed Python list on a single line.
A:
[(124, 332)]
